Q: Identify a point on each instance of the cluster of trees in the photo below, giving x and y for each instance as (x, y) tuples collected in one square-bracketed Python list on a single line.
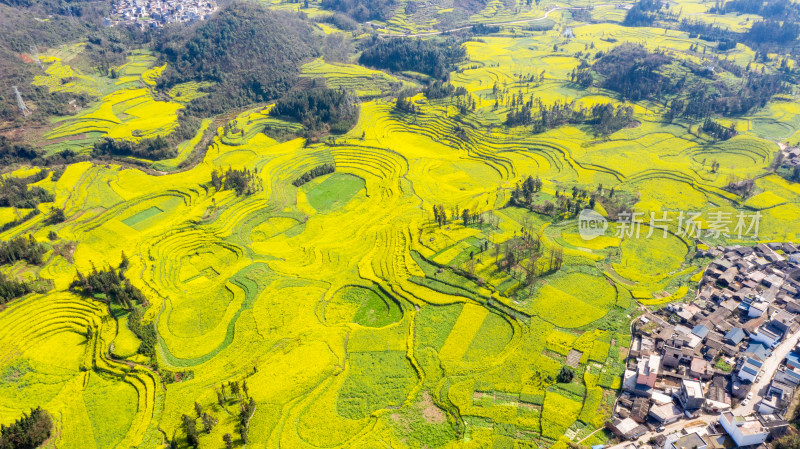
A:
[(528, 253), (772, 32), (607, 119), (320, 110), (755, 92), (109, 285), (12, 289), (243, 182), (146, 332), (221, 50), (439, 214), (341, 21), (17, 192), (482, 29), (13, 152), (154, 149), (741, 187), (582, 75), (28, 432), (779, 26), (774, 9), (604, 118), (788, 442), (794, 175), (362, 10), (643, 13), (431, 57), (55, 216), (22, 248), (631, 70), (403, 104), (189, 425), (441, 89), (720, 132), (247, 406), (565, 376), (523, 196), (322, 170)]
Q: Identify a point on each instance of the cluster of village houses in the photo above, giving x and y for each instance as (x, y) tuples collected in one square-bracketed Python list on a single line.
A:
[(725, 365), (791, 157), (155, 13)]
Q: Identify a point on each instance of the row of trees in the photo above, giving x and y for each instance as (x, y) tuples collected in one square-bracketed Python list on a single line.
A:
[(466, 216), (604, 118), (315, 172), (154, 149), (14, 223)]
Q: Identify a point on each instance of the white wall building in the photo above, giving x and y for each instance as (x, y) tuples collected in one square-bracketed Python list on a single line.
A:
[(744, 430)]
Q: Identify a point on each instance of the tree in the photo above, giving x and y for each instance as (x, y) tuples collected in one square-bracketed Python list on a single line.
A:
[(465, 216), (198, 409), (565, 375), (190, 427), (55, 216), (248, 408), (208, 422), (787, 442), (228, 439), (216, 180)]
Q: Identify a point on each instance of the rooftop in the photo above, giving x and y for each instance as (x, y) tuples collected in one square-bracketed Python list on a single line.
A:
[(693, 388), (748, 425), (690, 441)]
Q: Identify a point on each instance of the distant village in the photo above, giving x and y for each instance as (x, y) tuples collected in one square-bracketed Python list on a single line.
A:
[(155, 13), (722, 370)]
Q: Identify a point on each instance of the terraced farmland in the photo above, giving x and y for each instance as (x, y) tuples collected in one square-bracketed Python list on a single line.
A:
[(343, 306)]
